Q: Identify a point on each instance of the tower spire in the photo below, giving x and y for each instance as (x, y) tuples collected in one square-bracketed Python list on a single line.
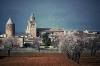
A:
[(31, 26), (9, 21), (32, 17)]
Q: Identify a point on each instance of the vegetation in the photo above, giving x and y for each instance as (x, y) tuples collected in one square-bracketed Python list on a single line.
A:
[(46, 39), (73, 45), (0, 42), (9, 43)]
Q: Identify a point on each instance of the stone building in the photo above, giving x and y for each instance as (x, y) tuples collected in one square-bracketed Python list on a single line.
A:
[(10, 28), (31, 27)]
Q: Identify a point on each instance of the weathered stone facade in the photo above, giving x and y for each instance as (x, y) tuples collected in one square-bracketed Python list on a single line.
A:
[(31, 27), (10, 28)]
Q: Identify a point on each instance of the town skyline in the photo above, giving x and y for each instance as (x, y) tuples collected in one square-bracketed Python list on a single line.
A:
[(70, 15)]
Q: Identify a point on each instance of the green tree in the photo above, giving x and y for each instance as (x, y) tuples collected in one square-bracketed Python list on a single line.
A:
[(46, 40), (0, 41)]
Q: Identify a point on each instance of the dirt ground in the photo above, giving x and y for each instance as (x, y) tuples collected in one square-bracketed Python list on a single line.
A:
[(47, 59)]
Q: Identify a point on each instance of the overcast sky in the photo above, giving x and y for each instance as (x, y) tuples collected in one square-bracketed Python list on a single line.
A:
[(67, 14)]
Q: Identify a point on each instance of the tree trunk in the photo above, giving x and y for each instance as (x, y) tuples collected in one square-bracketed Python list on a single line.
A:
[(8, 52), (92, 50)]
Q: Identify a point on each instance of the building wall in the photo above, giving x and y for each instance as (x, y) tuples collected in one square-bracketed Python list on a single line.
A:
[(33, 29), (10, 30)]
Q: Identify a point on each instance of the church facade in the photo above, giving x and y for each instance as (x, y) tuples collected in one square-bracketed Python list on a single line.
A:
[(31, 27)]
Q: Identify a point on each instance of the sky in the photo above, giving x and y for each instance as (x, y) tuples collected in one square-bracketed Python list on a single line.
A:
[(67, 14)]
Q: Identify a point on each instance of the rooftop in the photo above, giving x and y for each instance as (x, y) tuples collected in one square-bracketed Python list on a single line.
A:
[(9, 21)]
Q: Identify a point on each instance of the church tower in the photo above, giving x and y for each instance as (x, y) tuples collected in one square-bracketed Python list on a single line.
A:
[(10, 28), (31, 26)]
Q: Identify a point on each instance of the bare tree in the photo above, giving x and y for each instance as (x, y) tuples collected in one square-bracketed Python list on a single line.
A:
[(9, 43), (37, 43), (72, 46)]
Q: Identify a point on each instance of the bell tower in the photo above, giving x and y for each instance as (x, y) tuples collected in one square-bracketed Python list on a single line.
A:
[(31, 27)]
